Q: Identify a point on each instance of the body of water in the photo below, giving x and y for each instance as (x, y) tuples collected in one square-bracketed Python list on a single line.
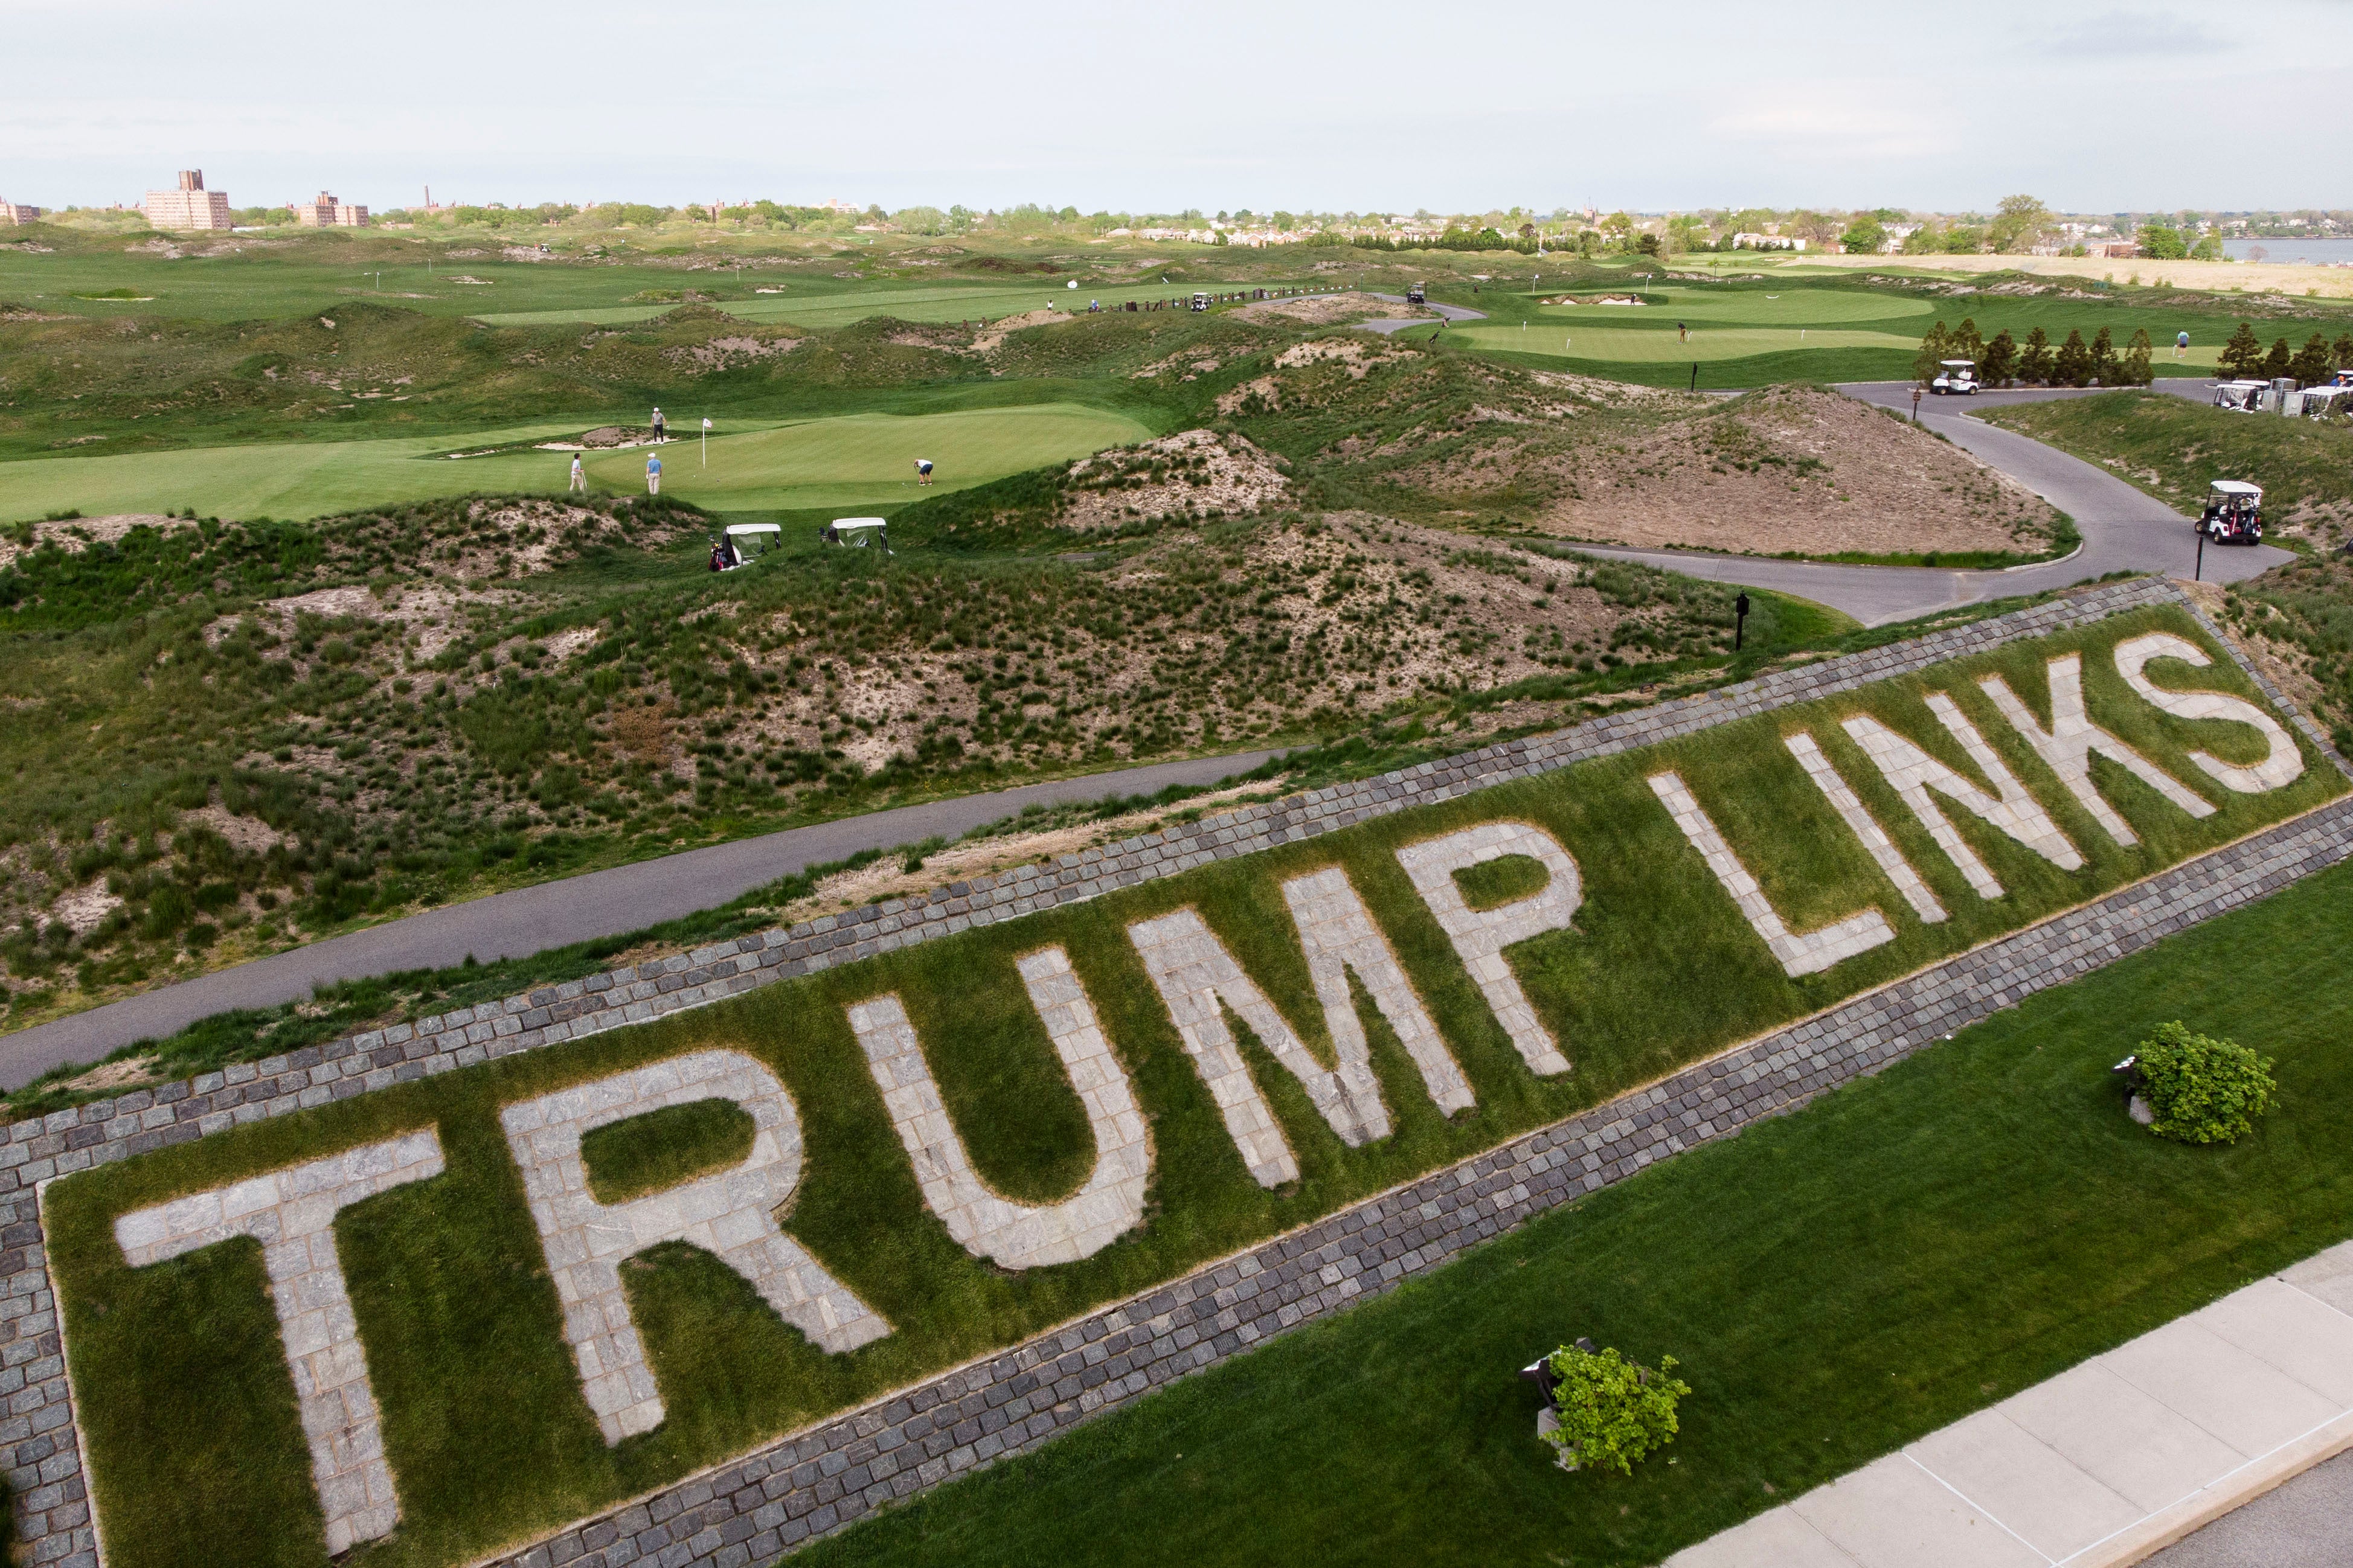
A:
[(2311, 252)]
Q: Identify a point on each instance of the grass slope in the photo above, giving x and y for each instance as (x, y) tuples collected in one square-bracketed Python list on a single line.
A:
[(1835, 1284), (484, 1420)]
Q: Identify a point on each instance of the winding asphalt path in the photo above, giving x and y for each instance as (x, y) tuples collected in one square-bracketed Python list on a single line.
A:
[(557, 914)]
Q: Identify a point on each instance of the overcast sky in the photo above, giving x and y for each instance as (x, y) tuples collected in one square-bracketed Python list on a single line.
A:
[(2091, 106)]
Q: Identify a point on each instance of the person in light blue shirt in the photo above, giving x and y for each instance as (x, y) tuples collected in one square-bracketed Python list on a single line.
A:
[(653, 476)]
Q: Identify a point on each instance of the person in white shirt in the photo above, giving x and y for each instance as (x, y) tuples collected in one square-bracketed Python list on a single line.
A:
[(579, 477), (661, 426)]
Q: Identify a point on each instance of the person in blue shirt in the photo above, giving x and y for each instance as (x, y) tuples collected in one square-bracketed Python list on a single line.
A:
[(653, 476)]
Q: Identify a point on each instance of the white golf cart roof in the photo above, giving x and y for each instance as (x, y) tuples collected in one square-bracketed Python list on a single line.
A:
[(742, 529), (1958, 363), (2249, 385), (844, 524), (2236, 488)]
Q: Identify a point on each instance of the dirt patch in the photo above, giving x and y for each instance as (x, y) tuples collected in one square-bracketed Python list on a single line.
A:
[(732, 352), (1329, 309), (1191, 474), (75, 535), (246, 835), (83, 908), (1787, 469), (993, 335)]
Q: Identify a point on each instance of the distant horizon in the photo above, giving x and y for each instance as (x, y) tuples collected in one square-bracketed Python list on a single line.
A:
[(2100, 106)]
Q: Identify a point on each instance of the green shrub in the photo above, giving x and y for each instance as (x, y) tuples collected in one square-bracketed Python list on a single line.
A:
[(1612, 1412), (2202, 1090)]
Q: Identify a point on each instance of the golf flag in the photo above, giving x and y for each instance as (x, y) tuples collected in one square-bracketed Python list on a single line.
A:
[(706, 442)]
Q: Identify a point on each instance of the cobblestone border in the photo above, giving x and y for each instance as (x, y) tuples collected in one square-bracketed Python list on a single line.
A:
[(40, 1448)]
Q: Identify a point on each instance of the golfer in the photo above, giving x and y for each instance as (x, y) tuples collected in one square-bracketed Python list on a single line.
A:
[(661, 426), (2180, 345), (1684, 330), (923, 470), (653, 476), (579, 477)]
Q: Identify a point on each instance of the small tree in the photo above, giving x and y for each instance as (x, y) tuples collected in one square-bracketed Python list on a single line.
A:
[(1864, 237), (1648, 245), (1934, 348), (2310, 366), (2000, 361), (2242, 356), (2277, 362), (2201, 1089), (2073, 367), (2135, 371), (2208, 248), (2340, 353), (2034, 365), (1965, 342), (2018, 223), (1611, 1412), (2163, 242), (2103, 358)]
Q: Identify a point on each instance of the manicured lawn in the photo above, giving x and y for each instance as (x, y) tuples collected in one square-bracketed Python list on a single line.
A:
[(862, 460), (805, 306), (483, 1416), (1835, 1284)]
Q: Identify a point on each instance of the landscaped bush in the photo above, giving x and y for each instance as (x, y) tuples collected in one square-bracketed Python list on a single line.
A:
[(2202, 1090), (1612, 1412)]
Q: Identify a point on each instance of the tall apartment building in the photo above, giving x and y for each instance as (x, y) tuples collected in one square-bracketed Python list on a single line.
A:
[(14, 213), (329, 212), (190, 207)]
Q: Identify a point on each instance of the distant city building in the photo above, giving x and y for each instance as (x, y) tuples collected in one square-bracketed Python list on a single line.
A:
[(190, 207), (329, 212), (15, 212)]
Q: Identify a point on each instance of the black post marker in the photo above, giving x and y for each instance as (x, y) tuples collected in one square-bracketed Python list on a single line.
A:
[(1695, 386), (2198, 574), (1739, 619)]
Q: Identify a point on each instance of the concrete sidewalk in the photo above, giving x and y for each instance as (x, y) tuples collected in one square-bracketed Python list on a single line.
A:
[(2102, 1465)]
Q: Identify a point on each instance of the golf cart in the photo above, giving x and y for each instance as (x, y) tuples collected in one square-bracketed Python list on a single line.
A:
[(1417, 295), (2327, 401), (2234, 513), (856, 533), (2241, 397), (1960, 378), (743, 543), (1200, 301)]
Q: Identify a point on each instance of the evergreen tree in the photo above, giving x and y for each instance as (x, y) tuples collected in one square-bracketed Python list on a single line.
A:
[(2242, 356), (2311, 367), (1966, 342), (2277, 362), (2000, 361), (2034, 364), (2103, 358), (1933, 349), (2073, 365), (2340, 353), (2135, 371)]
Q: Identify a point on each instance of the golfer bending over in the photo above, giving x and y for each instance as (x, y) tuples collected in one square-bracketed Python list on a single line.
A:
[(923, 470), (653, 476)]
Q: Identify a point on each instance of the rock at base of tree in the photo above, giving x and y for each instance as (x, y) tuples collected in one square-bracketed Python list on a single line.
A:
[(2140, 1111)]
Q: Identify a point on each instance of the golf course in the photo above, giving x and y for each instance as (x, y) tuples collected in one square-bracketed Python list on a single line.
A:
[(857, 460)]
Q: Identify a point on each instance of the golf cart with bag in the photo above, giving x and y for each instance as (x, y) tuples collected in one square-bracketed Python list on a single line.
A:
[(856, 533), (2235, 513), (743, 543), (2241, 397), (1958, 379), (1417, 294)]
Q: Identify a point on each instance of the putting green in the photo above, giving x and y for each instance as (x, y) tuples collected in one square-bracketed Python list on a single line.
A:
[(1587, 340), (857, 460), (1748, 308)]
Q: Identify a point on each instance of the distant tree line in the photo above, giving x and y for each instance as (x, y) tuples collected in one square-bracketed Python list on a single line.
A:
[(2005, 362)]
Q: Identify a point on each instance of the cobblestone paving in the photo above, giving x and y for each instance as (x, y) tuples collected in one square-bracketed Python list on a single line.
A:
[(816, 1481)]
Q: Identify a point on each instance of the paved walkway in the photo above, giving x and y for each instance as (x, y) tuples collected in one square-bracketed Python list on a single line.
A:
[(559, 913), (2102, 1464)]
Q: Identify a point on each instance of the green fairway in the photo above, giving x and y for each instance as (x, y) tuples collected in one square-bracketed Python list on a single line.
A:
[(859, 459), (1603, 340), (1835, 1284), (807, 307)]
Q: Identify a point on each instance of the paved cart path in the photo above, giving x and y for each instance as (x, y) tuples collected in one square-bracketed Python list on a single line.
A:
[(556, 914), (2122, 1454)]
